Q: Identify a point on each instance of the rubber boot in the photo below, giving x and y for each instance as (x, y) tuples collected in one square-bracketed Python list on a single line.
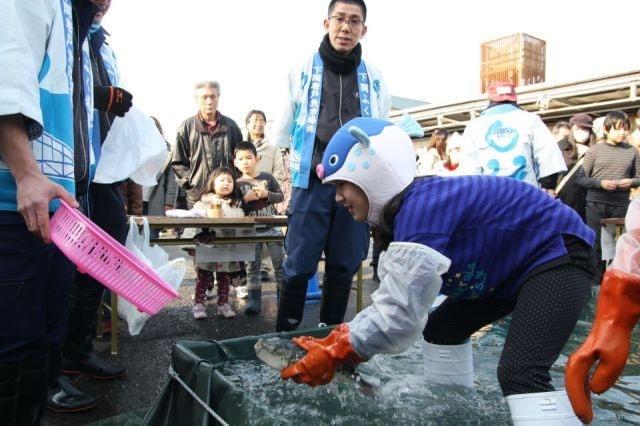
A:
[(85, 296), (254, 302), (9, 391), (448, 364), (34, 375), (290, 307), (542, 408), (69, 399), (334, 302), (78, 354)]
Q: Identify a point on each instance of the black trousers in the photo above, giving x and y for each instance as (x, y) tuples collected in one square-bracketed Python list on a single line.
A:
[(544, 313), (34, 284), (106, 209)]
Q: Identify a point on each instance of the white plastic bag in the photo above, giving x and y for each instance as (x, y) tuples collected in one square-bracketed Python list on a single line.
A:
[(172, 271), (134, 148), (154, 256)]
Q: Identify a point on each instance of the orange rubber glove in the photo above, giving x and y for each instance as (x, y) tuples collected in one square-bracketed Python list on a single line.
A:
[(323, 357), (617, 312)]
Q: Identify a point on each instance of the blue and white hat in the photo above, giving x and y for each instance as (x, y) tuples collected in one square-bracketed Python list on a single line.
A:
[(376, 155)]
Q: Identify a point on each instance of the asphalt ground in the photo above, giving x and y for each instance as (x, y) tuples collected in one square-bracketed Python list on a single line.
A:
[(147, 356)]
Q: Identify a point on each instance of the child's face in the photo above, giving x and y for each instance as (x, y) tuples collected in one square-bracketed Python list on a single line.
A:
[(246, 162), (617, 133), (223, 185), (352, 198)]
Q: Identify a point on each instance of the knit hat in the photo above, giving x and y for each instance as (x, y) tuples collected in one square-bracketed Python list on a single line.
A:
[(375, 155)]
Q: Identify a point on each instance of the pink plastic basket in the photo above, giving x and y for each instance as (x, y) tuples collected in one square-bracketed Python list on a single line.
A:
[(99, 255)]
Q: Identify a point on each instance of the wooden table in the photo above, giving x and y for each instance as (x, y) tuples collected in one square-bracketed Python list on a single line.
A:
[(618, 222), (201, 222)]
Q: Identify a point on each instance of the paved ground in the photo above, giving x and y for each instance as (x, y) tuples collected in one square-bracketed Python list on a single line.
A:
[(147, 356)]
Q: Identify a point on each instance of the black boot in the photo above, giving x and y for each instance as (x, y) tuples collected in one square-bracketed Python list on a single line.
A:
[(69, 399), (254, 302), (9, 391), (335, 299), (34, 375), (78, 355), (93, 367), (290, 308)]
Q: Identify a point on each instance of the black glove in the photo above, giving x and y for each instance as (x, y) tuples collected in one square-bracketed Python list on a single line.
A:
[(112, 99)]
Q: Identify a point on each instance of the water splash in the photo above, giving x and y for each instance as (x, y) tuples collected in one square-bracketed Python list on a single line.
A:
[(404, 397)]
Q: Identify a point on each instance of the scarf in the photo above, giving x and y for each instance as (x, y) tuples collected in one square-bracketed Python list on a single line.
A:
[(337, 62)]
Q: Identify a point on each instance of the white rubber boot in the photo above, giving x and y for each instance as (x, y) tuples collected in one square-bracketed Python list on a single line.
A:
[(543, 408), (448, 364)]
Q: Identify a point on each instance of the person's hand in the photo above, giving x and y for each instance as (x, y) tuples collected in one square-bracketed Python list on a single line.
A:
[(625, 184), (609, 185), (250, 196), (617, 312), (323, 357), (112, 99), (551, 193), (34, 193), (262, 193)]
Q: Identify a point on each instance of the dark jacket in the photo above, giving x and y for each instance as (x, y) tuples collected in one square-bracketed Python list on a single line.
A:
[(100, 78), (165, 192), (339, 103), (197, 152), (572, 194), (83, 12)]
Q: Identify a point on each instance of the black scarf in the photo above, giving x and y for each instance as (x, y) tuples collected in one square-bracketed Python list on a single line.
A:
[(337, 62)]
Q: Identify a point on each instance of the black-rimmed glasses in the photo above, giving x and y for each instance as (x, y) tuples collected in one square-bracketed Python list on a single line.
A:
[(352, 22)]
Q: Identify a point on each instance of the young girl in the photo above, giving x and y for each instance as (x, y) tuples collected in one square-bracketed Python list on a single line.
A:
[(430, 161), (451, 166), (221, 184), (494, 245)]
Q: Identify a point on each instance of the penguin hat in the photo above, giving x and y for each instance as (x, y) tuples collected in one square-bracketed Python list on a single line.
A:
[(375, 155)]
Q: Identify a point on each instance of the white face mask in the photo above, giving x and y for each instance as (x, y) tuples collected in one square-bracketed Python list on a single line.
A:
[(581, 136)]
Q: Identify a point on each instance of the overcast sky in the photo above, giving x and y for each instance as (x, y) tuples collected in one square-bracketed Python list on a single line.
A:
[(428, 50)]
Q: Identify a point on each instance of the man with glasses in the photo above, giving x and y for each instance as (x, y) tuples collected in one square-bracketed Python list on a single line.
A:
[(332, 87)]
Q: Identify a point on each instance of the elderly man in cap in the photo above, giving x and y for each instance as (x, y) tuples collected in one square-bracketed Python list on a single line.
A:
[(507, 141)]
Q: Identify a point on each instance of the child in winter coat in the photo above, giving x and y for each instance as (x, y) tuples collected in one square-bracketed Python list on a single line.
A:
[(260, 191), (220, 186)]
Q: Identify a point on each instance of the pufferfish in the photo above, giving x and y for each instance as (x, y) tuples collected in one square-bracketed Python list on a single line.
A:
[(376, 155)]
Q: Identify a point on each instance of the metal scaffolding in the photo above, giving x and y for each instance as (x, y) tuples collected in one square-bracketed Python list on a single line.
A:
[(552, 102)]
